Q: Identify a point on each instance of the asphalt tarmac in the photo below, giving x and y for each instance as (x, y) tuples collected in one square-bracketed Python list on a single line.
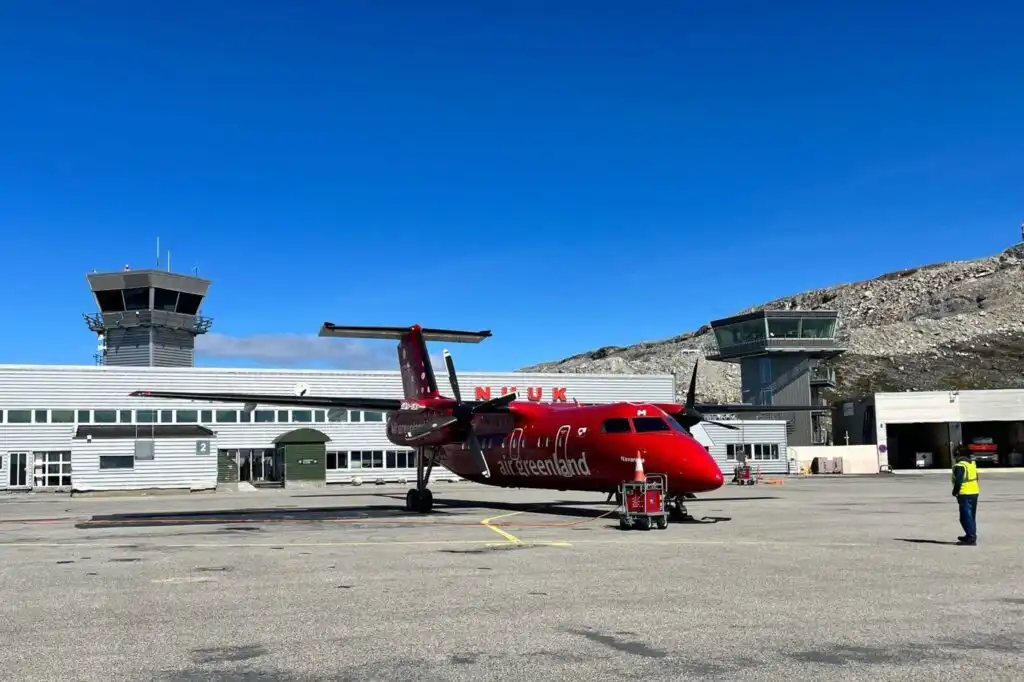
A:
[(818, 578)]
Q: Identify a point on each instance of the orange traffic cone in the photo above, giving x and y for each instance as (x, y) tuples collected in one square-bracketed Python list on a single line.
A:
[(638, 472)]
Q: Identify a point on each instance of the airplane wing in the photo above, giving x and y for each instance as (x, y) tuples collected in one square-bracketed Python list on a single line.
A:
[(377, 404)]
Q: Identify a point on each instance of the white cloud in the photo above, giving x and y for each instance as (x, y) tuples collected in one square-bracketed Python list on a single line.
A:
[(296, 350)]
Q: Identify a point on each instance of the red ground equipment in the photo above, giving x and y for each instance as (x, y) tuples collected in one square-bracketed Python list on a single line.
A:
[(643, 501), (744, 475)]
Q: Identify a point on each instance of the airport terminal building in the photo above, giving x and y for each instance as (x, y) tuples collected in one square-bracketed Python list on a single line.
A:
[(76, 428)]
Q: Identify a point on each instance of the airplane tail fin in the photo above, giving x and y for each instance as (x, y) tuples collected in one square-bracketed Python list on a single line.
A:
[(418, 379)]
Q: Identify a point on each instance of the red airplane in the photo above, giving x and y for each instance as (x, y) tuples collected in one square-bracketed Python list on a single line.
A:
[(520, 444)]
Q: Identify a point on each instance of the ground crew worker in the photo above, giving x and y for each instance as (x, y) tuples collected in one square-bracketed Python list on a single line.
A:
[(966, 491)]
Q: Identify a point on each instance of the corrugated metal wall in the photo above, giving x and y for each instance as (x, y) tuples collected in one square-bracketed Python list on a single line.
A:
[(173, 348), (175, 464), (108, 387), (754, 432), (127, 347)]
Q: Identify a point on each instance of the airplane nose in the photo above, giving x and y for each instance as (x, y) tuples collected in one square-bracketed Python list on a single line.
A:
[(705, 473)]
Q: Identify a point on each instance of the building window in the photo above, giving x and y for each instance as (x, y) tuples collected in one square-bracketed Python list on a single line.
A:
[(245, 416), (355, 416), (62, 416), (117, 462), (337, 415), (373, 416), (84, 416), (367, 459), (319, 416), (206, 416), (145, 416), (105, 416), (53, 469), (166, 416), (124, 416), (19, 416), (755, 451), (282, 416), (227, 416), (302, 415), (188, 416), (400, 459), (337, 460), (42, 416), (263, 416), (764, 366)]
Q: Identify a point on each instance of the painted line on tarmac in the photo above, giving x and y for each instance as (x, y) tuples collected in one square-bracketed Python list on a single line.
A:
[(486, 523)]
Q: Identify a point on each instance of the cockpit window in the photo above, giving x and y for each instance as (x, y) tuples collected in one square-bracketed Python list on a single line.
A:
[(649, 424), (676, 426), (616, 425)]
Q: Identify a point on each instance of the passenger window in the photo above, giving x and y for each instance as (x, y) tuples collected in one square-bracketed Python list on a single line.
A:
[(616, 425)]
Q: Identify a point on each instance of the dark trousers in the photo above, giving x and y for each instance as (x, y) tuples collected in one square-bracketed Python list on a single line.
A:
[(969, 515)]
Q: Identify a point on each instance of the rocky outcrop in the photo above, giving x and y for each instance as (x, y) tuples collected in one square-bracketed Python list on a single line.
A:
[(935, 327)]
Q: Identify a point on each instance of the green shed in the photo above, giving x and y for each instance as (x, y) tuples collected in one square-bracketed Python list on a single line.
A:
[(305, 456)]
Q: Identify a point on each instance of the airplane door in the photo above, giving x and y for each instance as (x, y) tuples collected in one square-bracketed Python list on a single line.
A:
[(562, 441), (515, 443)]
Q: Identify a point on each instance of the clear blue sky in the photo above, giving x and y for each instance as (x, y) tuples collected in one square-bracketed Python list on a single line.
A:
[(598, 173)]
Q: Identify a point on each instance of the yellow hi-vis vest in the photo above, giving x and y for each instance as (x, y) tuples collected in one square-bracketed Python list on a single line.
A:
[(970, 484)]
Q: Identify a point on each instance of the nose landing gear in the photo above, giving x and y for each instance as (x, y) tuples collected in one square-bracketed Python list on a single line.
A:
[(677, 512)]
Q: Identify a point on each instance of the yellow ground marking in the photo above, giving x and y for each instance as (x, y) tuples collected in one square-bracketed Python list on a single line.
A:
[(508, 536)]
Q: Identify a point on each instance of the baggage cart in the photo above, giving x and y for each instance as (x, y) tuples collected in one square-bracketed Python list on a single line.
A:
[(643, 503)]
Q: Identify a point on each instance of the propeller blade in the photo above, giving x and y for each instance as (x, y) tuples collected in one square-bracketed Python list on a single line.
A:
[(495, 403), (474, 445), (691, 394), (451, 375), (426, 429), (724, 425)]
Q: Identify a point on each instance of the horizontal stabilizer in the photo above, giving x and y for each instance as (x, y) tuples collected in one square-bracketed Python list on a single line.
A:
[(450, 335)]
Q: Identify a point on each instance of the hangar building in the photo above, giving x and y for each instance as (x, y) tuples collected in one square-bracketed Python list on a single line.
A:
[(77, 428), (921, 429)]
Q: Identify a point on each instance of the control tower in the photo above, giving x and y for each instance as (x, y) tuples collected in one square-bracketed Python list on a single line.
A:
[(781, 355), (147, 318)]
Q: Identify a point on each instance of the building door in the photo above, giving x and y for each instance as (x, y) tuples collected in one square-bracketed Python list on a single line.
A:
[(18, 470)]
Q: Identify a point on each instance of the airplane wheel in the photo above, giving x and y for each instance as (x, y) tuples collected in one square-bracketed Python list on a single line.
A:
[(426, 502), (412, 500), (645, 523), (624, 524), (662, 522)]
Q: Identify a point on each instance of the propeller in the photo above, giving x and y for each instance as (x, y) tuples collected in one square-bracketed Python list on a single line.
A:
[(462, 415), (690, 416)]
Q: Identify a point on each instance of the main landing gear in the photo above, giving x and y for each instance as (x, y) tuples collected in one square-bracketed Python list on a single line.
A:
[(420, 499)]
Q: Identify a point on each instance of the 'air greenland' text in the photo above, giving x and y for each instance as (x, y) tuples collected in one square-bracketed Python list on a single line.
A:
[(566, 467)]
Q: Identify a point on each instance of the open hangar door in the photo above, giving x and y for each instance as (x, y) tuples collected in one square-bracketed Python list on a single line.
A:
[(925, 442), (995, 444)]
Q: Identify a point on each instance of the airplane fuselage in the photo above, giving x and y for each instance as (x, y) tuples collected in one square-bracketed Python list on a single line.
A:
[(567, 447)]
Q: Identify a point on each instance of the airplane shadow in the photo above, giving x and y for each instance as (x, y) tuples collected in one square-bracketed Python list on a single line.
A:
[(212, 517), (922, 541), (563, 508)]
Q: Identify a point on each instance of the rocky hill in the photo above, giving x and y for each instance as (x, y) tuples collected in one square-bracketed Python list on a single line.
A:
[(935, 327)]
